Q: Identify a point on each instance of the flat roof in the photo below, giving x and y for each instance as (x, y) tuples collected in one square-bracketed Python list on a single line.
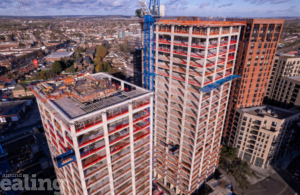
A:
[(60, 54), (11, 108), (270, 111), (296, 78), (86, 94)]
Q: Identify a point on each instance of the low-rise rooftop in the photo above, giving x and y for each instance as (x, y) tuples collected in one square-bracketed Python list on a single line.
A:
[(270, 111), (60, 55), (11, 108)]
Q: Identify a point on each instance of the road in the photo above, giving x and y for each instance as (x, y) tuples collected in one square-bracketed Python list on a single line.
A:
[(290, 48), (279, 183)]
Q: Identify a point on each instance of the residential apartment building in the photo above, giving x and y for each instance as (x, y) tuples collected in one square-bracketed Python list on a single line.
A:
[(20, 91), (194, 62), (286, 93), (257, 48), (99, 130), (261, 131), (284, 66)]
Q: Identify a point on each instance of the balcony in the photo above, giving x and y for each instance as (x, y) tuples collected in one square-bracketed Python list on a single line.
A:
[(68, 138), (101, 186), (114, 138), (118, 125), (96, 178), (96, 168), (90, 137), (140, 103), (141, 115), (122, 171), (121, 163), (92, 148), (119, 146), (87, 162), (125, 178), (87, 123)]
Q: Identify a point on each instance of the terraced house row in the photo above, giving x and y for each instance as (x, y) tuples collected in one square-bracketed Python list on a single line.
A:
[(194, 63), (99, 130)]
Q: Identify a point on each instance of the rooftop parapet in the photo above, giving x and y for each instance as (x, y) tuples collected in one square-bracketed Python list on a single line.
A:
[(206, 23)]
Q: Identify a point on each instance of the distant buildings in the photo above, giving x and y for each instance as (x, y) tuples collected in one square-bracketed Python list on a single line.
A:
[(58, 55), (13, 110), (20, 91)]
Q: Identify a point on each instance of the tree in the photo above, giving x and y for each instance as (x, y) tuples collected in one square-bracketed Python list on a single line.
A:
[(50, 74), (101, 51), (2, 38), (56, 67), (81, 50), (40, 53), (106, 67), (72, 69), (42, 75), (98, 59), (98, 68), (21, 44), (121, 48), (235, 166)]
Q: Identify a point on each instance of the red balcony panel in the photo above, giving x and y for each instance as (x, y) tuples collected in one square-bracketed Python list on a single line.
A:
[(91, 151), (118, 114), (93, 161)]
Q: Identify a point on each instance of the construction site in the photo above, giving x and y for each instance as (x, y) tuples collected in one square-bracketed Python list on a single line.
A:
[(194, 64), (99, 130)]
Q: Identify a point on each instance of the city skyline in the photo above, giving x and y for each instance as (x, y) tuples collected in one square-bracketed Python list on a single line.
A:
[(221, 8)]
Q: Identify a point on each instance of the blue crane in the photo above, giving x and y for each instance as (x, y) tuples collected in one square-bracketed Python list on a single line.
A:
[(150, 14)]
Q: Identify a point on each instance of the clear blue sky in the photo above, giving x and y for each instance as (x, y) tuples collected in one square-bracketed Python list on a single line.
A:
[(226, 8)]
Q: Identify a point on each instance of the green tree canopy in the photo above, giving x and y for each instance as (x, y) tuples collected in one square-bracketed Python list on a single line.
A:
[(121, 48), (235, 166), (56, 67), (72, 69)]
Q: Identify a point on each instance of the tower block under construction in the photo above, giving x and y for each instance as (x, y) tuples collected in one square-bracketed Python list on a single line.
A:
[(194, 63)]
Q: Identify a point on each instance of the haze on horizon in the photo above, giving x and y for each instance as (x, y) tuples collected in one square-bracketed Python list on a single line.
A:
[(225, 8)]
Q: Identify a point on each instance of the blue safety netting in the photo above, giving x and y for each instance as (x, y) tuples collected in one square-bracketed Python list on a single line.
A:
[(210, 87)]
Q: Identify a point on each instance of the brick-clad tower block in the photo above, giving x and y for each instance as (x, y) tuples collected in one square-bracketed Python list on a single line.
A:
[(257, 48)]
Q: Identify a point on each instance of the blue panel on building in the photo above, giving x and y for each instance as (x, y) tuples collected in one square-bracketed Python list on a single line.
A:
[(65, 159), (210, 87)]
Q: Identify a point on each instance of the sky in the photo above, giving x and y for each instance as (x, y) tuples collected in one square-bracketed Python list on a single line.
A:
[(222, 8)]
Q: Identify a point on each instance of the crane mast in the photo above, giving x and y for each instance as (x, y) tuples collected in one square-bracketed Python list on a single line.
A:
[(149, 14)]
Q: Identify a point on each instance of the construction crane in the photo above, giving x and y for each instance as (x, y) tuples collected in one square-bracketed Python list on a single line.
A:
[(150, 14)]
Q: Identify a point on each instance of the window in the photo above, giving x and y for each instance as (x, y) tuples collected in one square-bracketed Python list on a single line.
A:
[(274, 124), (263, 52), (248, 63), (262, 57), (255, 63), (265, 45), (259, 45), (251, 51), (256, 57), (250, 57), (258, 51), (252, 46)]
